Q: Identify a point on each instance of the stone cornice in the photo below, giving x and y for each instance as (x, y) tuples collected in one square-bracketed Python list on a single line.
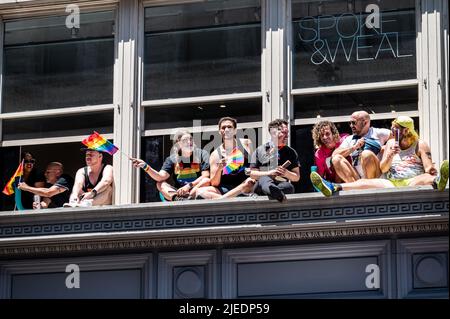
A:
[(251, 234), (301, 208)]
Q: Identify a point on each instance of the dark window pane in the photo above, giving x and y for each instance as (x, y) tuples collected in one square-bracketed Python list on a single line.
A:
[(334, 46), (202, 49), (58, 126), (46, 65), (207, 114), (9, 161), (348, 102)]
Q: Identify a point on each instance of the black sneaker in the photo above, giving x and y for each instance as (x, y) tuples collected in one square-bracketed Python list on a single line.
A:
[(277, 194), (179, 198)]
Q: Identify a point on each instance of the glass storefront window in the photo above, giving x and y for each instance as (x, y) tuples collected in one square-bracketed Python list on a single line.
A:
[(155, 149), (206, 48), (68, 154), (301, 140), (47, 65), (345, 103), (58, 126), (166, 117), (347, 42)]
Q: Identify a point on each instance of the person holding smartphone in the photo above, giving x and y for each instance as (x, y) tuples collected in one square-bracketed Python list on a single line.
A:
[(406, 162), (274, 164)]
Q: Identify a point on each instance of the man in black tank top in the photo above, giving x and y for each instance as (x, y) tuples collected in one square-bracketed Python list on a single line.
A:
[(94, 182), (228, 164)]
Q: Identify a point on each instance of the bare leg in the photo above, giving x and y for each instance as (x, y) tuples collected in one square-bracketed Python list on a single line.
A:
[(344, 169), (166, 189), (209, 192), (424, 179), (367, 184), (244, 187), (370, 164)]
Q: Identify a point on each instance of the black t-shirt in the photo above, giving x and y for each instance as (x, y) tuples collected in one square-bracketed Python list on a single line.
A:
[(66, 182), (27, 197), (188, 168), (266, 157)]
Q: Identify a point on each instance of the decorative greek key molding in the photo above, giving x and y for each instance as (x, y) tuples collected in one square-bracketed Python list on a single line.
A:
[(208, 238), (200, 219)]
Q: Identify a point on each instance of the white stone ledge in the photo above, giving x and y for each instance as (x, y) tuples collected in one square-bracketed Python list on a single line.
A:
[(230, 206)]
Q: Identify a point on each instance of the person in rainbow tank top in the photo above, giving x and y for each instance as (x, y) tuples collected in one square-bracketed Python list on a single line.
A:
[(187, 164), (228, 163), (406, 161)]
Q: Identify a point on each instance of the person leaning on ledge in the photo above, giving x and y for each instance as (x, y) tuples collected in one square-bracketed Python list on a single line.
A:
[(406, 161), (57, 187), (94, 183), (363, 147), (188, 165)]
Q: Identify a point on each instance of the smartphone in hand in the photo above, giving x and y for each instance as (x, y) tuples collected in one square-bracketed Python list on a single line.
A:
[(286, 164), (397, 136)]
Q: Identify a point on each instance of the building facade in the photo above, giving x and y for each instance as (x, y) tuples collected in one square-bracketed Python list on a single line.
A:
[(136, 71)]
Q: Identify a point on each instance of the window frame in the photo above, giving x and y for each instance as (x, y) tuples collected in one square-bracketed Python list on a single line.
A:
[(144, 104), (369, 86), (42, 12)]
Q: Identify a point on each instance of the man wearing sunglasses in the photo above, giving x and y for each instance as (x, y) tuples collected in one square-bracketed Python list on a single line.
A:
[(363, 147), (32, 177), (406, 161), (94, 183), (57, 187)]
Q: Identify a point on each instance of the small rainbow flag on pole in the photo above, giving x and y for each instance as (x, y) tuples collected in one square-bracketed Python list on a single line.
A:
[(14, 181), (97, 142)]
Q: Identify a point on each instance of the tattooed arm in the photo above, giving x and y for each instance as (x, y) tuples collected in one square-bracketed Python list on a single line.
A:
[(425, 154)]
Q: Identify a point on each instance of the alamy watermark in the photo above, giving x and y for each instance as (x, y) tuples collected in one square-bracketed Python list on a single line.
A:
[(73, 279), (373, 279), (73, 19)]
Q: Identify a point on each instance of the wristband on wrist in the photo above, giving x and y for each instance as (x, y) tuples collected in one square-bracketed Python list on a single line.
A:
[(191, 185), (94, 191), (146, 167)]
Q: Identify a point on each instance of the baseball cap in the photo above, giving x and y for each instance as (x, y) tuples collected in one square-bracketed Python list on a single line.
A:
[(406, 121)]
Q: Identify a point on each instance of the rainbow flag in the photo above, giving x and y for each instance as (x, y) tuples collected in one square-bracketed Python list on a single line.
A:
[(97, 142), (14, 181), (235, 164)]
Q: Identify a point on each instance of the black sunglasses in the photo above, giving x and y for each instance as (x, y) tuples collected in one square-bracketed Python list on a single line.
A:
[(354, 122), (31, 161)]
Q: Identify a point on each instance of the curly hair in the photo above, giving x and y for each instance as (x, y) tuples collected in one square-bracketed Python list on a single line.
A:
[(316, 132)]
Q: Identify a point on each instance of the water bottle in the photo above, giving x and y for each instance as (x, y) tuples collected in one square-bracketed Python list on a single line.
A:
[(314, 169), (37, 201)]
